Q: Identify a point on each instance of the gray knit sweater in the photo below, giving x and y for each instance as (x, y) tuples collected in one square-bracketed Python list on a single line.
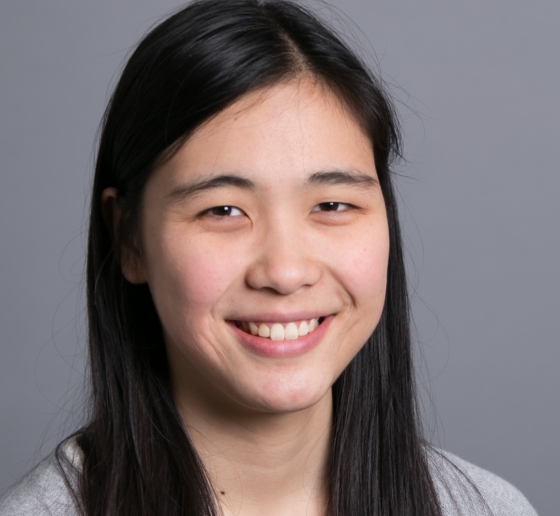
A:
[(43, 491)]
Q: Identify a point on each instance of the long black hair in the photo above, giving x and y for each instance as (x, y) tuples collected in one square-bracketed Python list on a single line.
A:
[(138, 458)]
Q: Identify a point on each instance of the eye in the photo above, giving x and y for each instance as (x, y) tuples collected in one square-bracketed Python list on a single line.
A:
[(224, 211), (332, 206)]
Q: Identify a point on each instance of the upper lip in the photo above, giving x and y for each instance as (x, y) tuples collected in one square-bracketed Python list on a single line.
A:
[(280, 317)]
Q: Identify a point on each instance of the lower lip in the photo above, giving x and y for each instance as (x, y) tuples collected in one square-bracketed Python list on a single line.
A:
[(281, 348)]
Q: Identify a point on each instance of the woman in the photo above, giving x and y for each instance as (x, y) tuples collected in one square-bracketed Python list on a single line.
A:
[(248, 314)]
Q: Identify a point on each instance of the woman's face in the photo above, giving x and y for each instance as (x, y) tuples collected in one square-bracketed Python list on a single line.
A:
[(268, 220)]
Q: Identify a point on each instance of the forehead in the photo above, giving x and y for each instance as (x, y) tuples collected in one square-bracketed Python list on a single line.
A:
[(280, 133)]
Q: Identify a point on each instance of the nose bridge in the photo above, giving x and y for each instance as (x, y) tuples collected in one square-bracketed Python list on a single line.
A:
[(283, 262)]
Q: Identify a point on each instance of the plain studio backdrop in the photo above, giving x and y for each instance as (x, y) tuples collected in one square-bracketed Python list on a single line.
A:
[(477, 85)]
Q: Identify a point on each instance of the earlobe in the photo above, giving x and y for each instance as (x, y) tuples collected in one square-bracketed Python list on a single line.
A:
[(132, 264), (132, 267)]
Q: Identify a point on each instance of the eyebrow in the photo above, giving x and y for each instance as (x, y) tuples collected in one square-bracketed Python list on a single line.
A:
[(337, 177), (342, 177), (184, 191)]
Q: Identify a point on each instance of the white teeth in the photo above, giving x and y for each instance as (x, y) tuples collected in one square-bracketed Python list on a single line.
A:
[(278, 332), (291, 331), (264, 330)]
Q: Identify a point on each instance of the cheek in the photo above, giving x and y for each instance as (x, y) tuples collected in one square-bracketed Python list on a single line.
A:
[(362, 269), (366, 283), (189, 276), (369, 276)]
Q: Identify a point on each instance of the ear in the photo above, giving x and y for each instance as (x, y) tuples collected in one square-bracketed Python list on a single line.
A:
[(132, 263)]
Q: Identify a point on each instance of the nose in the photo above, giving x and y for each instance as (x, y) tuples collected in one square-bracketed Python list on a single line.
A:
[(284, 261)]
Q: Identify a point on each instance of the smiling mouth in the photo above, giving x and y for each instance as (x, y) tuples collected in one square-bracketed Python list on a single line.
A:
[(280, 331)]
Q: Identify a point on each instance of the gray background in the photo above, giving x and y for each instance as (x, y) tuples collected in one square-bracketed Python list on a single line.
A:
[(478, 91)]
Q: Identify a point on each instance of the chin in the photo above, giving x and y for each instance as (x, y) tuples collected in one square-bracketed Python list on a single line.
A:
[(290, 396)]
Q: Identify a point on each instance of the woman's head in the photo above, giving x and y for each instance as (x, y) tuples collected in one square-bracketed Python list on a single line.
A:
[(273, 88), (269, 217)]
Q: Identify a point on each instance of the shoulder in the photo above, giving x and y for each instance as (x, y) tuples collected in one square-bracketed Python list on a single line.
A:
[(44, 490), (465, 489)]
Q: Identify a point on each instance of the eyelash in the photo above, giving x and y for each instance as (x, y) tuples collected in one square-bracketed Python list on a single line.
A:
[(227, 209), (332, 204)]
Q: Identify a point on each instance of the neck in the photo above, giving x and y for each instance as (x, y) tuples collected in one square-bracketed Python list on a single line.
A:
[(265, 463)]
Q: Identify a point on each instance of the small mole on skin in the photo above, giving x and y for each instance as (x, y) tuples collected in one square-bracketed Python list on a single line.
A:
[(222, 492)]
